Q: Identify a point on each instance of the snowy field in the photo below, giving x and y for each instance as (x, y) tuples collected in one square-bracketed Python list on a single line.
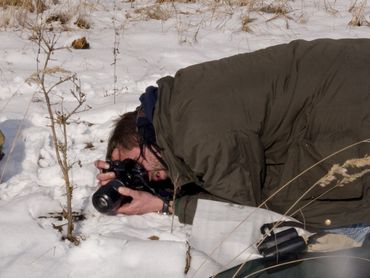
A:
[(154, 40)]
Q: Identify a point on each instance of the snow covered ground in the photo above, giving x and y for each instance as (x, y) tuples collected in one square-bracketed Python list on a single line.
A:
[(154, 40)]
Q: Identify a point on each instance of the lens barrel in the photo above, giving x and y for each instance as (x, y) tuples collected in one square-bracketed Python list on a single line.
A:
[(107, 199)]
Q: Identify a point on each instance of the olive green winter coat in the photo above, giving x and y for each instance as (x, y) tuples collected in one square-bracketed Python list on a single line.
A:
[(243, 126)]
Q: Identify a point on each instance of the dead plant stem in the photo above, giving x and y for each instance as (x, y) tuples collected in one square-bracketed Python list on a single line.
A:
[(59, 118)]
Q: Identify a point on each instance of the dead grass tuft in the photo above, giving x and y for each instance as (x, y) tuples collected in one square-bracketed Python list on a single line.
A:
[(243, 3), (61, 17), (48, 71), (275, 9), (246, 20), (40, 6), (28, 5), (329, 7), (171, 1), (9, 17), (156, 12), (280, 9), (341, 173), (358, 14), (24, 4), (82, 23), (56, 14)]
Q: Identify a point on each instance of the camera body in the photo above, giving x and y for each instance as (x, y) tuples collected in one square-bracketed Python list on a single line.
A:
[(129, 173)]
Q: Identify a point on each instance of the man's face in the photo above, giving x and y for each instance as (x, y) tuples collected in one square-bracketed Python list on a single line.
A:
[(156, 171)]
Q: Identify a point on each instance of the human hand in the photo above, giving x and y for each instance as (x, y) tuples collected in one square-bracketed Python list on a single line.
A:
[(142, 202), (102, 177)]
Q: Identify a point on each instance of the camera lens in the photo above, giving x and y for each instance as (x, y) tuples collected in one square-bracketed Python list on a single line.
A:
[(107, 199), (102, 203)]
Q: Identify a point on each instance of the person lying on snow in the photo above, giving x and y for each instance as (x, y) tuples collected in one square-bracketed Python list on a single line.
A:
[(238, 129)]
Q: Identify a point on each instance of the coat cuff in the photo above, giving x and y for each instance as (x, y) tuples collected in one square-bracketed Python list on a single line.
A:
[(185, 208)]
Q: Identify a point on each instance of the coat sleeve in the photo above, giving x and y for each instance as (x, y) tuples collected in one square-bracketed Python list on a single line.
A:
[(230, 167)]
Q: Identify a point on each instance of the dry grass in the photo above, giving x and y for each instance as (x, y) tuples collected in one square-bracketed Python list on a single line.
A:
[(156, 12), (82, 23), (61, 17), (28, 5), (23, 4), (340, 174), (12, 17), (15, 12), (329, 7), (348, 172), (280, 8), (58, 15), (358, 14), (246, 20), (171, 1)]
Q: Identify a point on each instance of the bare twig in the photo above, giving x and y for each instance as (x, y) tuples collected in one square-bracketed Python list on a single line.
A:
[(115, 52), (61, 118)]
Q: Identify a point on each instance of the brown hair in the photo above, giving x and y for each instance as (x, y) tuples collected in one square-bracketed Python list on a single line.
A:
[(124, 134)]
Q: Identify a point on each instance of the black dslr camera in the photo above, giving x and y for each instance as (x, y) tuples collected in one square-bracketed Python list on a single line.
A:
[(128, 173)]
